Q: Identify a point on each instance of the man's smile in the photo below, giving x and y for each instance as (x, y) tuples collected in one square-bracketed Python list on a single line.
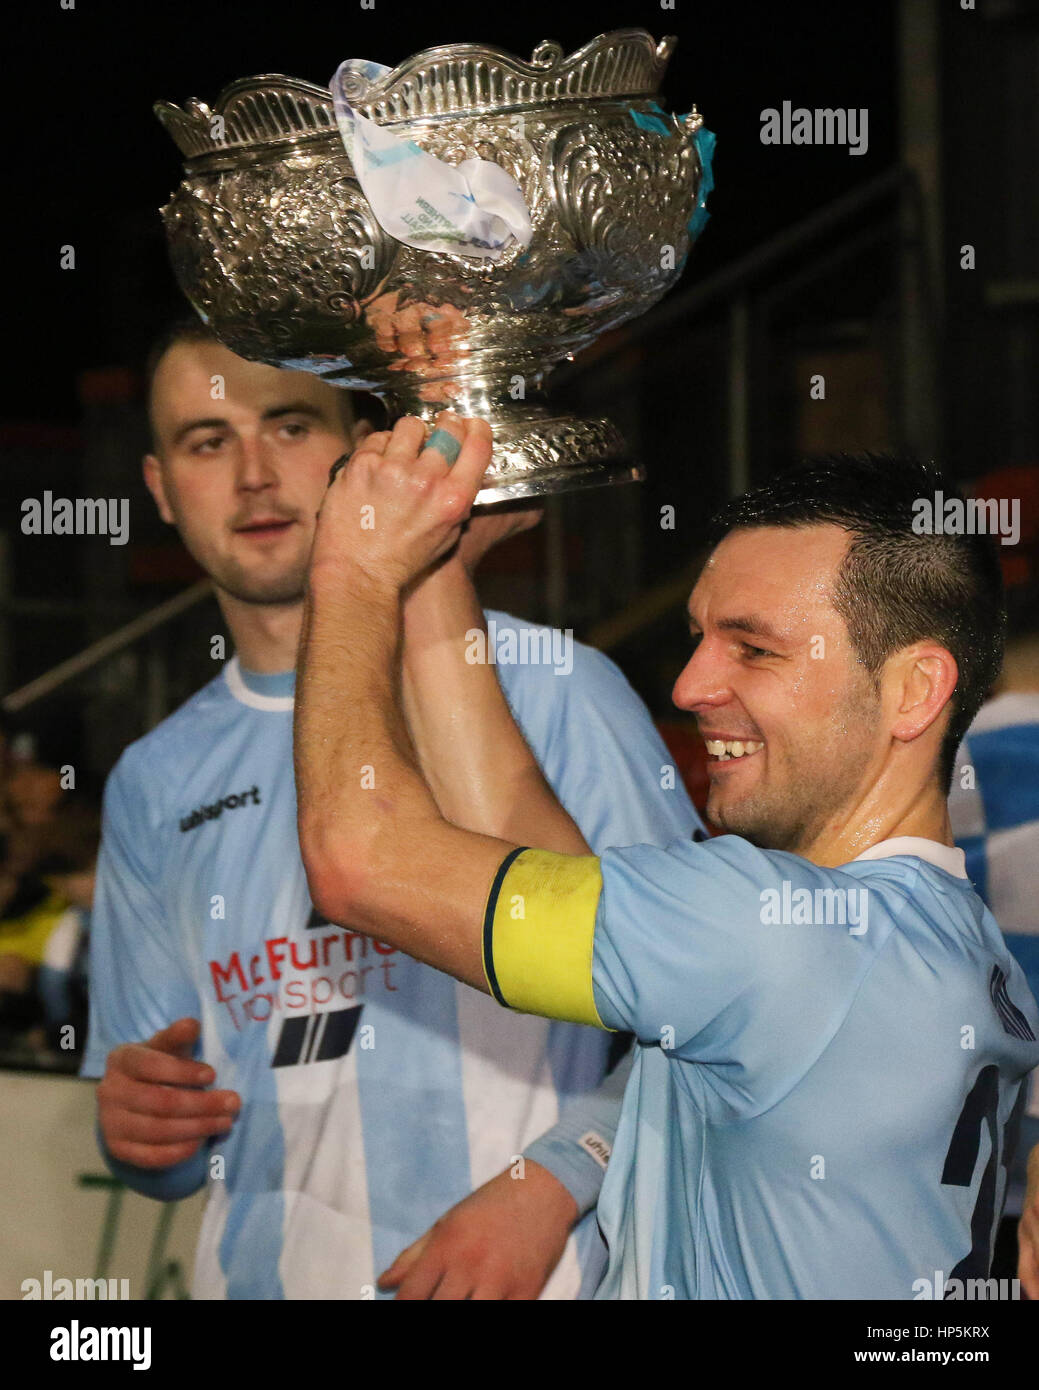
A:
[(722, 748)]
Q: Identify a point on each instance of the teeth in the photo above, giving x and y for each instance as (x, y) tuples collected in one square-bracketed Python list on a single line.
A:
[(734, 748)]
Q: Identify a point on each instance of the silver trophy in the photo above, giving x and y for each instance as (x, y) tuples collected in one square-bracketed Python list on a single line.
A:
[(277, 247)]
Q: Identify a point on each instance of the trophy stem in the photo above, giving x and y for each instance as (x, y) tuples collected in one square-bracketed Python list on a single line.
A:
[(538, 449)]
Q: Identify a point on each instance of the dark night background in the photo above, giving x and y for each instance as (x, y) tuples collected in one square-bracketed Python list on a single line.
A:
[(918, 354), (95, 165)]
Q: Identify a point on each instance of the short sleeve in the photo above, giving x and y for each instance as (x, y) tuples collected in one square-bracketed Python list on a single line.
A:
[(137, 979), (744, 960)]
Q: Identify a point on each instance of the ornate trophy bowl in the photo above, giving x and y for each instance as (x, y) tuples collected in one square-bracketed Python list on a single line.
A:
[(278, 249)]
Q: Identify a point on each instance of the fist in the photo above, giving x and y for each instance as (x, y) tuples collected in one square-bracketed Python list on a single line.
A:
[(399, 504)]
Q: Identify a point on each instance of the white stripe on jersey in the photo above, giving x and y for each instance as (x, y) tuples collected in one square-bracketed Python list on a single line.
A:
[(509, 1091), (327, 1250), (208, 1279)]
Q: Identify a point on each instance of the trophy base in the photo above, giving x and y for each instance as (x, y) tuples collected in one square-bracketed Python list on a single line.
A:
[(550, 483), (540, 454)]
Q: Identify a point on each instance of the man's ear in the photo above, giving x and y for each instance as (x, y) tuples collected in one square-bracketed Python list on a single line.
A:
[(360, 430), (925, 682), (152, 470)]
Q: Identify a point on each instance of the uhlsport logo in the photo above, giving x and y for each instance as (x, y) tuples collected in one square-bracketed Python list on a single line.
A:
[(217, 808)]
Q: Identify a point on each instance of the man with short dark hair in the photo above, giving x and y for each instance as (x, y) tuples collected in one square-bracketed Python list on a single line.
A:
[(362, 1096), (832, 1035)]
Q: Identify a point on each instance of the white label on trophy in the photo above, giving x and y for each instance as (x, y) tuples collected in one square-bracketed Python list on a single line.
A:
[(473, 209)]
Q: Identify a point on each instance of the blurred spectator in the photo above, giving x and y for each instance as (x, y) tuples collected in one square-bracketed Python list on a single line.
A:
[(33, 794), (29, 911), (33, 798), (68, 865), (994, 800), (48, 848), (48, 844)]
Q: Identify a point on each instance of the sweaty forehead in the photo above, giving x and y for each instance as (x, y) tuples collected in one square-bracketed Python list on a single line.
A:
[(781, 572)]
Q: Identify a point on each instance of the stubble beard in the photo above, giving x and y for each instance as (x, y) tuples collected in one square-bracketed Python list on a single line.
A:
[(282, 590), (230, 576), (255, 584), (824, 780)]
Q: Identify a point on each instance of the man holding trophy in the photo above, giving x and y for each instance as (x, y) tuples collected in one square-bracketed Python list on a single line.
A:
[(827, 1017), (802, 1112), (443, 233)]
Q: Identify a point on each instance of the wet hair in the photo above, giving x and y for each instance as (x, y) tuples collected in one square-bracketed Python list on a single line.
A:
[(897, 585)]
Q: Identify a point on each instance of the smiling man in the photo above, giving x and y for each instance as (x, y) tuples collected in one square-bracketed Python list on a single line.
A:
[(822, 1100)]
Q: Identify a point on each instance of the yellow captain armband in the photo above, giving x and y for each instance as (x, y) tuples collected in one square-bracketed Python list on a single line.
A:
[(538, 934)]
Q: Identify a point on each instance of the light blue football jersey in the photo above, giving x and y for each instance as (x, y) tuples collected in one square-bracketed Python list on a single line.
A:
[(377, 1091), (829, 1069), (995, 818)]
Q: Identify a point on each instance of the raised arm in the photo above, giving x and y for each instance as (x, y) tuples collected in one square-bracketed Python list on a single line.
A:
[(377, 851), (473, 757)]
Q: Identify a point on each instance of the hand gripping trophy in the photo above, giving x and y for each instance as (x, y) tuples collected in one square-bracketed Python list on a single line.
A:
[(443, 234)]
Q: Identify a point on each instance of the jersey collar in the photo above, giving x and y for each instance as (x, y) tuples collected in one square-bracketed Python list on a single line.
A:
[(273, 693), (946, 857)]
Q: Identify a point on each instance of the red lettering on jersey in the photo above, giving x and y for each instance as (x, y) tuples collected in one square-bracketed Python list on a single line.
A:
[(295, 1001), (250, 1007), (221, 976), (274, 956), (310, 964), (349, 938)]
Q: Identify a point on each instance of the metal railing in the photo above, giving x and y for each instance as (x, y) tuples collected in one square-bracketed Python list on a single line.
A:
[(105, 647)]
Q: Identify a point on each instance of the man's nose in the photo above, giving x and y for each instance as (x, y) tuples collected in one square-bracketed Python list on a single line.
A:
[(702, 683), (256, 467)]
